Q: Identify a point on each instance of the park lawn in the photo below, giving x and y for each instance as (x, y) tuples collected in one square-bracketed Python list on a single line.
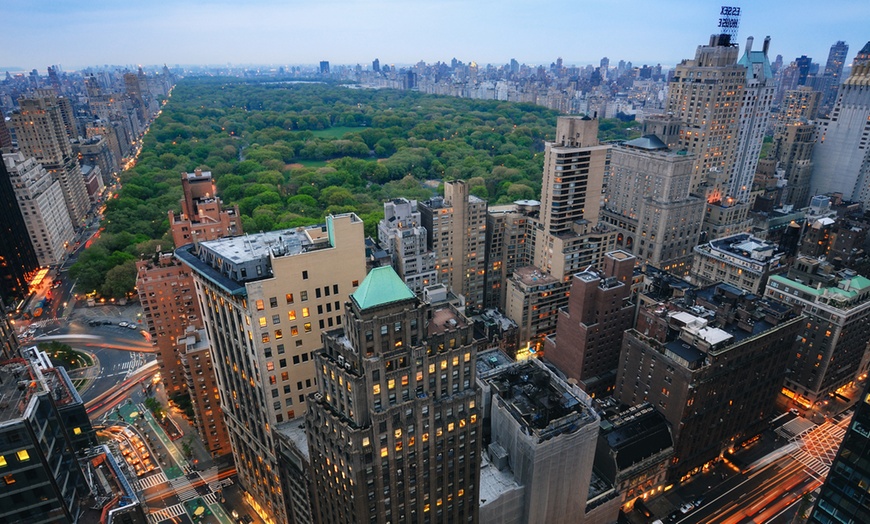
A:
[(336, 132)]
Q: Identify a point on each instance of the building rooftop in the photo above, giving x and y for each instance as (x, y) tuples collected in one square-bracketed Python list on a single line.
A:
[(539, 401), (534, 276), (19, 382), (636, 434), (489, 361), (380, 287), (445, 319), (649, 142), (494, 482), (295, 433), (743, 249)]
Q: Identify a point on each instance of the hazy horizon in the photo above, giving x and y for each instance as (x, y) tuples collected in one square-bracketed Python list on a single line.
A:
[(78, 34)]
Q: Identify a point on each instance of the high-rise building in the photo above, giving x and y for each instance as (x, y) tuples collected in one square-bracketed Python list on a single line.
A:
[(541, 455), (648, 202), (172, 311), (841, 158), (394, 431), (724, 117), (569, 235), (793, 145), (43, 135), (831, 347), (18, 259), (43, 208), (376, 65), (265, 298), (509, 239), (203, 215), (324, 67), (456, 225), (714, 377), (758, 93), (863, 56), (402, 235), (842, 497), (43, 425), (589, 331), (834, 75), (798, 105)]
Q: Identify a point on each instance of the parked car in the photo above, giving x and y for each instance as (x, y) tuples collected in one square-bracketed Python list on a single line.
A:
[(123, 323), (687, 507)]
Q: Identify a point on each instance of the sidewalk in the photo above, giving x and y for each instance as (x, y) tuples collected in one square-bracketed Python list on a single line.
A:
[(201, 459)]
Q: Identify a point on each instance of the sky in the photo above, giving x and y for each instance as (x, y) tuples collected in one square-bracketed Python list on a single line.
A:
[(79, 33)]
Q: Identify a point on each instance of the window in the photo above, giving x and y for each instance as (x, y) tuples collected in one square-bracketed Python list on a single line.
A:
[(270, 366), (23, 455), (265, 338), (2, 461), (273, 302), (9, 480), (260, 305), (77, 431), (307, 327), (262, 321), (356, 283), (278, 334), (294, 331), (335, 288), (291, 314), (305, 275), (276, 319), (317, 293), (305, 312), (286, 376), (289, 297), (283, 362), (303, 296)]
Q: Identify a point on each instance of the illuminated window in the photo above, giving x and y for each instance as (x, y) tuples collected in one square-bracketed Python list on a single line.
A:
[(305, 312), (278, 334), (443, 365), (9, 480), (365, 441), (291, 314), (2, 461), (404, 380), (260, 305), (265, 337), (294, 331), (376, 389), (289, 298), (307, 327), (455, 361), (431, 368), (77, 431), (384, 451), (23, 455), (262, 321), (473, 418), (466, 358), (270, 366)]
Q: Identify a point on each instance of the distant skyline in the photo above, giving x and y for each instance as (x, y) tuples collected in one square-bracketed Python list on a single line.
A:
[(76, 33)]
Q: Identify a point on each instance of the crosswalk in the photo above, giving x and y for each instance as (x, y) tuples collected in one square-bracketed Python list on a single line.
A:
[(166, 513), (210, 499), (819, 447), (151, 481), (184, 489)]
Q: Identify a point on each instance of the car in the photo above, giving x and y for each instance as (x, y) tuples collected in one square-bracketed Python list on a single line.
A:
[(235, 514), (132, 326), (687, 507), (123, 323)]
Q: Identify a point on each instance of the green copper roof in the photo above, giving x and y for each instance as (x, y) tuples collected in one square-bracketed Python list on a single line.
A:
[(381, 286)]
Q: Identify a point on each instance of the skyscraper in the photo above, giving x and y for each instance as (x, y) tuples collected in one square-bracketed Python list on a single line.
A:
[(43, 425), (589, 331), (394, 432), (43, 208), (456, 225), (843, 497), (648, 201), (265, 298), (43, 135), (841, 158), (569, 235), (834, 75), (17, 257), (724, 106)]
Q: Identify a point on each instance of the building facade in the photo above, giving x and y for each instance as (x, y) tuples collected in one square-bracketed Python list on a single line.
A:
[(648, 202), (589, 330), (265, 298), (841, 158), (394, 432), (43, 208), (18, 261), (741, 260), (402, 235), (456, 225), (831, 348), (712, 362)]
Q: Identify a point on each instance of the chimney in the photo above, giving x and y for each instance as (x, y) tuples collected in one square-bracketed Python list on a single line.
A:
[(749, 44), (766, 45)]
